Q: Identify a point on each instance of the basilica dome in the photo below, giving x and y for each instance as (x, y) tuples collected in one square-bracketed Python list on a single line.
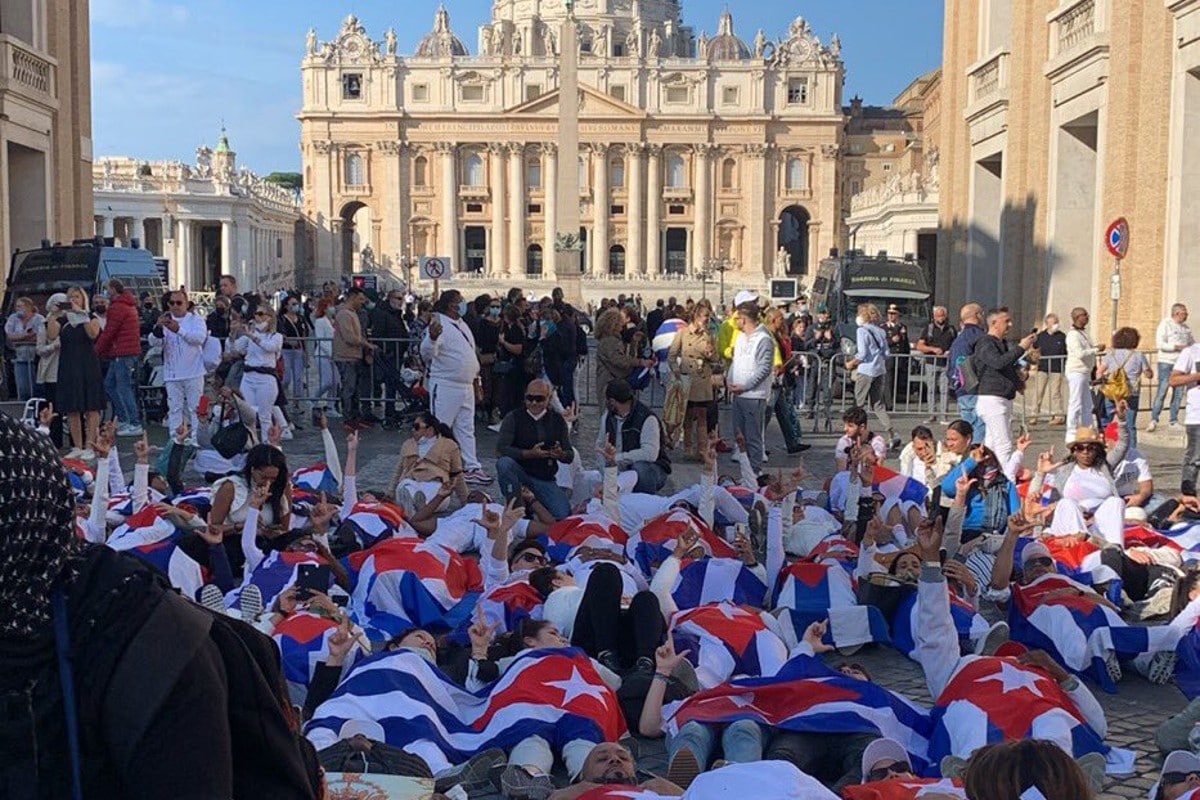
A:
[(726, 46), (441, 41)]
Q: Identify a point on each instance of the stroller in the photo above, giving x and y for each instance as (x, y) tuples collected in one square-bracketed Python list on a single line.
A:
[(412, 396), (152, 390)]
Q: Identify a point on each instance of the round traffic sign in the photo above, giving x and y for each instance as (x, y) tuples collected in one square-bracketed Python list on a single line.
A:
[(1116, 238), (435, 268)]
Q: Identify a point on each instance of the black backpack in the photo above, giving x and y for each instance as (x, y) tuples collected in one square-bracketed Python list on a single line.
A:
[(380, 759), (581, 342)]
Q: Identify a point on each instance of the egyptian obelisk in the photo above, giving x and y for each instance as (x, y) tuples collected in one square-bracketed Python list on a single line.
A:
[(568, 247)]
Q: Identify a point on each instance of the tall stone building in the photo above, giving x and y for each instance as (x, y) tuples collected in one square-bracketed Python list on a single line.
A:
[(45, 123), (700, 154), (1064, 115)]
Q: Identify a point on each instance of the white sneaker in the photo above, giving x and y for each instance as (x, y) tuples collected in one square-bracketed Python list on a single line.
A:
[(287, 434), (1175, 426), (990, 642), (1152, 427), (494, 428), (87, 455), (130, 430)]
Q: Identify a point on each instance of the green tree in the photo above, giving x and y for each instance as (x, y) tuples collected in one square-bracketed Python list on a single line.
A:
[(288, 180)]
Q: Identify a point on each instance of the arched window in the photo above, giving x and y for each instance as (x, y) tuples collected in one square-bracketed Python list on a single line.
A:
[(421, 172), (797, 175), (616, 173), (473, 171), (616, 260), (533, 260), (356, 171), (729, 174), (533, 173), (676, 172)]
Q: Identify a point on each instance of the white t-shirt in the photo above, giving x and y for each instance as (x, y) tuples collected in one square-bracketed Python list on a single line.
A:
[(1188, 362), (1130, 472), (877, 444)]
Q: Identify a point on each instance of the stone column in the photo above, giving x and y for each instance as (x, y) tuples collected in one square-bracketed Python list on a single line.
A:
[(550, 181), (600, 208), (757, 264), (137, 230), (910, 243), (107, 226), (635, 246), (228, 248), (180, 273), (702, 229), (654, 204), (516, 211), (497, 155), (448, 234)]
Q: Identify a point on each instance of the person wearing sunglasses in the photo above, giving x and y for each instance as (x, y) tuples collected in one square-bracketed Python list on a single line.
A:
[(182, 334), (1180, 775), (533, 441), (428, 459)]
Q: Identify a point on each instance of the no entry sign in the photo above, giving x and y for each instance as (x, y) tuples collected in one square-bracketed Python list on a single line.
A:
[(1116, 238), (435, 268)]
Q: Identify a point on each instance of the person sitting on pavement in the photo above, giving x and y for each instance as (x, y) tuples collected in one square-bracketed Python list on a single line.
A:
[(637, 434), (1180, 775), (533, 441), (428, 459), (856, 432)]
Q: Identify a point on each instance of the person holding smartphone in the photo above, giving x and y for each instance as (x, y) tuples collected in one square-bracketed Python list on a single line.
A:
[(80, 390)]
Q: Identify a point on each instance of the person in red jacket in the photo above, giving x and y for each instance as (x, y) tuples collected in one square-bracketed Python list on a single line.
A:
[(121, 343)]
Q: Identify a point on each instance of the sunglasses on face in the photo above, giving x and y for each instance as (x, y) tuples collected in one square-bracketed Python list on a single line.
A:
[(1042, 561), (418, 426), (895, 768), (261, 314), (179, 302), (532, 558), (535, 398), (1172, 778)]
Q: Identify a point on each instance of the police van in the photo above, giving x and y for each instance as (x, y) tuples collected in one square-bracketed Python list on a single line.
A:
[(86, 263), (844, 282)]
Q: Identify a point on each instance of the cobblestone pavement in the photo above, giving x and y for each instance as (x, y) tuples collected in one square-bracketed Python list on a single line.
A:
[(1133, 714)]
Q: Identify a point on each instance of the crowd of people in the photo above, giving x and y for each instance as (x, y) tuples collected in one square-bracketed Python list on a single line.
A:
[(287, 621)]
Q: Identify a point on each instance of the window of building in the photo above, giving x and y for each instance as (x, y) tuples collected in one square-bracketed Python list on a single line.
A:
[(797, 91), (676, 210), (352, 86), (678, 95), (356, 171), (676, 171), (616, 211), (421, 171), (729, 174), (472, 94), (616, 260), (618, 50), (533, 173), (279, 248), (855, 187), (533, 260), (420, 93), (534, 208), (797, 175), (618, 92), (473, 173), (533, 91), (616, 173), (729, 96), (474, 208), (585, 46), (887, 167)]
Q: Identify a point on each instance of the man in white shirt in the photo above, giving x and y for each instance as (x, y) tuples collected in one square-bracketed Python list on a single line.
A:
[(1186, 375), (182, 334), (448, 347), (1172, 336), (749, 379), (1081, 362), (635, 433)]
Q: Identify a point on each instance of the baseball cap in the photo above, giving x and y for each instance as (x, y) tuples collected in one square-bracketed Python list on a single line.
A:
[(368, 728), (1177, 761), (1034, 550), (883, 749), (743, 297), (619, 391)]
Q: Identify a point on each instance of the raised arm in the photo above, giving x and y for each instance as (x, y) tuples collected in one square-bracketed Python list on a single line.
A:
[(937, 638)]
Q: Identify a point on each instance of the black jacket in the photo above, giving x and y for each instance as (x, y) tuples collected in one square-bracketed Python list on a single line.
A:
[(995, 361), (519, 431)]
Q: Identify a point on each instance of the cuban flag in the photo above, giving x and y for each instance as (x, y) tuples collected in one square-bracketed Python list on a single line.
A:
[(725, 639), (897, 488), (1078, 560), (808, 697), (969, 623), (1078, 632), (317, 478), (849, 626), (836, 550), (664, 337), (710, 580), (814, 586), (276, 572), (371, 523), (555, 694), (567, 534), (745, 498), (120, 506), (1187, 667), (991, 700), (1186, 538), (906, 789), (198, 500), (505, 606), (80, 476), (155, 540), (303, 640), (402, 583), (654, 543)]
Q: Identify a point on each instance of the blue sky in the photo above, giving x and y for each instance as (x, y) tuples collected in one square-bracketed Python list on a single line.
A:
[(165, 73)]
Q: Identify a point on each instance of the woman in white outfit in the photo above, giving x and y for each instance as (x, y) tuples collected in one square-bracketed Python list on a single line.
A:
[(260, 347), (1081, 361)]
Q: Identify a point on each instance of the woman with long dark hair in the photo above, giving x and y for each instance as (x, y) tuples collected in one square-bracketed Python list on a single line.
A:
[(80, 391), (266, 467), (429, 459)]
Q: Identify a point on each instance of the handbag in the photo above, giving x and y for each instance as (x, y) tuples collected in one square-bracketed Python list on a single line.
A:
[(231, 439)]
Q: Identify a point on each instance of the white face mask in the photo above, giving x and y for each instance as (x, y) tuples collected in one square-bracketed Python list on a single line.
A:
[(1053, 328), (261, 326), (859, 321), (423, 653)]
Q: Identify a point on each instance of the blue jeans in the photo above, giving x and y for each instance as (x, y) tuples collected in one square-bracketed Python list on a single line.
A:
[(741, 742), (1160, 396), (651, 477), (966, 412), (24, 373), (785, 413), (512, 476), (1110, 413), (118, 385)]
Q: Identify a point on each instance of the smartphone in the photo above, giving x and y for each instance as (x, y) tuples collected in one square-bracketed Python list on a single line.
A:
[(312, 578)]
